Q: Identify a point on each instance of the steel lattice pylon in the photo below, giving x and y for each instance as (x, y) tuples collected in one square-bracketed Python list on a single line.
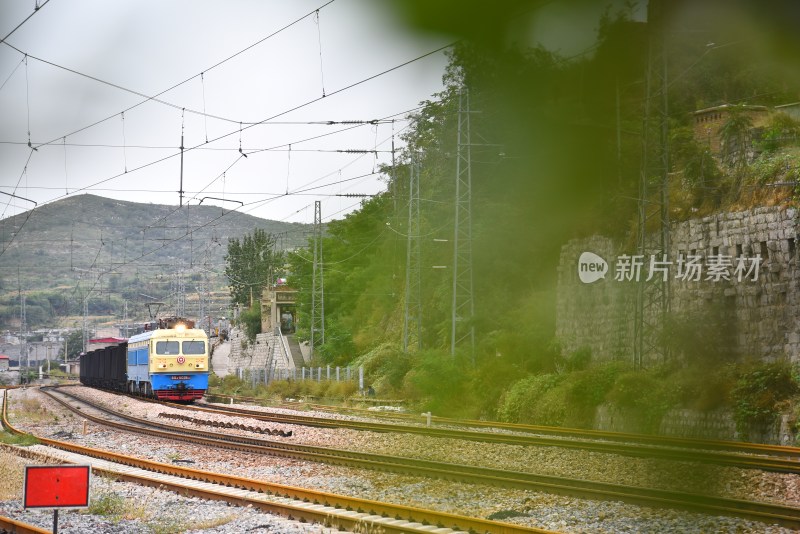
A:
[(463, 308), (317, 293), (412, 318), (653, 240)]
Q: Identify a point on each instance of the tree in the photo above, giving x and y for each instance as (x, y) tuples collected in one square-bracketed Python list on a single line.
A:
[(735, 134), (251, 321), (74, 345), (251, 263)]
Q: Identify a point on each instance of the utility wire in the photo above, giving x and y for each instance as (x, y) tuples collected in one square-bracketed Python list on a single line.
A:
[(355, 84), (234, 132), (35, 10), (21, 61), (155, 97)]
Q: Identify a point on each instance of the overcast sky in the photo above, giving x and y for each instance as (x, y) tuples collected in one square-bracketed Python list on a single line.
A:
[(87, 133)]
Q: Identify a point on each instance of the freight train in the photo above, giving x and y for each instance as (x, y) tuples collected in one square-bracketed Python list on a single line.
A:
[(169, 362)]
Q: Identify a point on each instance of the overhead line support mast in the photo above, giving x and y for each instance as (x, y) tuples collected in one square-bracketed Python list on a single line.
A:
[(463, 310), (653, 240)]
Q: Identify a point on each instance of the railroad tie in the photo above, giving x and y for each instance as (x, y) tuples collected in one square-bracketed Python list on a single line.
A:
[(222, 424)]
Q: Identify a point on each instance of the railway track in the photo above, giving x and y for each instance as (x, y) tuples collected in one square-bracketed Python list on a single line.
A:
[(329, 509), (760, 511), (18, 527), (773, 458)]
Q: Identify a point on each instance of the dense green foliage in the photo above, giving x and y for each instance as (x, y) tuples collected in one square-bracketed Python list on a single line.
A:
[(250, 319), (762, 390), (74, 345), (250, 265), (556, 153)]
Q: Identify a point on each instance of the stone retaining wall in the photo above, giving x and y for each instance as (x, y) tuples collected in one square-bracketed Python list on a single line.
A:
[(265, 353), (682, 423), (760, 309)]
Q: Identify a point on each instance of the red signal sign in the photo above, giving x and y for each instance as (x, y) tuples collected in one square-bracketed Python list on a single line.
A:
[(57, 486)]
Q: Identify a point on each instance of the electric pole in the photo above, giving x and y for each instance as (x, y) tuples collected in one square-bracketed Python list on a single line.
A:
[(463, 310), (317, 292), (85, 322), (412, 317)]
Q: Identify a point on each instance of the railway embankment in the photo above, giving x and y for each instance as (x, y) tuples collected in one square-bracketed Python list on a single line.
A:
[(33, 412)]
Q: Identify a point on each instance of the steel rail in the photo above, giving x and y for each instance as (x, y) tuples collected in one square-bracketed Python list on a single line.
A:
[(732, 459), (759, 511), (670, 441), (361, 510), (12, 526), (696, 443)]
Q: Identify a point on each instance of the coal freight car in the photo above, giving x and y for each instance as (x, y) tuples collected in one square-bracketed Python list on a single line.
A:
[(105, 368)]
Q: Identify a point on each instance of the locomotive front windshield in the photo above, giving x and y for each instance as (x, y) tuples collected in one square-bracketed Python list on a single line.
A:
[(194, 347), (172, 348), (166, 348)]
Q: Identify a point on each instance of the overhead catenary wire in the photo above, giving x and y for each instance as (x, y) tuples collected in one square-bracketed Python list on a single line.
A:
[(21, 62), (303, 191), (124, 151), (92, 186), (353, 123), (155, 98), (265, 121), (66, 175), (205, 117), (28, 99), (288, 167), (223, 175), (18, 26), (319, 39)]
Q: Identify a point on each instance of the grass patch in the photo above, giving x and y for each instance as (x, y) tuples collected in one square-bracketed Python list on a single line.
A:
[(24, 440), (104, 500), (108, 504), (115, 507), (31, 409), (282, 389)]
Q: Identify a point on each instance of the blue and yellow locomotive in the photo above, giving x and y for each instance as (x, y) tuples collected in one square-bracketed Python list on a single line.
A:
[(168, 363)]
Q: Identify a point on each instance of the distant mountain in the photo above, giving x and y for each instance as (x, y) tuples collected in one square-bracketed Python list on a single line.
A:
[(121, 251)]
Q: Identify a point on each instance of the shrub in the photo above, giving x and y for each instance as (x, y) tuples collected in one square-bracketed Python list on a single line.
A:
[(386, 366), (338, 348), (441, 383), (645, 396), (761, 392), (551, 408), (772, 167), (251, 321), (517, 404), (566, 399), (588, 389), (703, 387)]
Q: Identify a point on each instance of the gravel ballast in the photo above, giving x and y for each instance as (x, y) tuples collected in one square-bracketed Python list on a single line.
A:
[(524, 507)]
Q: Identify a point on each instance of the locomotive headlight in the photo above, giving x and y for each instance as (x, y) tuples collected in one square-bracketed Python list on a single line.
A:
[(180, 327)]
